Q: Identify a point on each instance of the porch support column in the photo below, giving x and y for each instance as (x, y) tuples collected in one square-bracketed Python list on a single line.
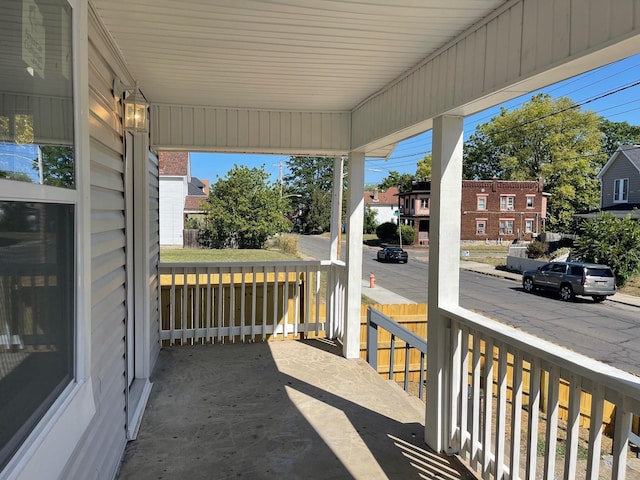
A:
[(444, 269), (336, 208), (355, 211)]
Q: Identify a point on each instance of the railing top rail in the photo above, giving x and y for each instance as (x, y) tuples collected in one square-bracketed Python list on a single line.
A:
[(279, 263), (397, 330), (576, 363)]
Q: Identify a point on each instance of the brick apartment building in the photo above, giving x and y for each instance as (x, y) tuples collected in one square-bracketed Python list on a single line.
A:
[(492, 210)]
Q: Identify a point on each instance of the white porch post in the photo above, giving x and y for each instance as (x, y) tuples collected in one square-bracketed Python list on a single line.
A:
[(336, 208), (444, 268), (355, 211)]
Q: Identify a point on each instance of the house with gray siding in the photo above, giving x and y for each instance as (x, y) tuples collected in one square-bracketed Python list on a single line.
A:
[(620, 182), (92, 91)]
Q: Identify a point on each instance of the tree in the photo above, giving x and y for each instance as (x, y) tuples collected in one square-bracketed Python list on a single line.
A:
[(423, 170), (611, 241), (396, 179), (615, 134), (243, 210), (548, 139), (408, 234), (386, 231), (58, 166), (370, 222), (312, 179)]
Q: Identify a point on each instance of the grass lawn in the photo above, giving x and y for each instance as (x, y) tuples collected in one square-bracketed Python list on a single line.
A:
[(184, 255)]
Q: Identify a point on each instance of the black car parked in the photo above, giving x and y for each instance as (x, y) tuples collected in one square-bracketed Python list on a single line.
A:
[(393, 254)]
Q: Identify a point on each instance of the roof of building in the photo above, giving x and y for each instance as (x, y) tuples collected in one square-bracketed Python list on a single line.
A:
[(388, 197), (193, 203), (173, 163), (196, 187), (617, 210), (631, 152)]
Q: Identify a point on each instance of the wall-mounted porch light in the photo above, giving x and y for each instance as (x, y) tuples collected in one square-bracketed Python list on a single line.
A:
[(135, 106)]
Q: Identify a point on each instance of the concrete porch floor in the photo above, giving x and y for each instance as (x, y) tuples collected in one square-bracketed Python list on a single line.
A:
[(279, 410)]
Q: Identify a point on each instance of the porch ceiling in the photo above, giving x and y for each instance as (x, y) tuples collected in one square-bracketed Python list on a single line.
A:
[(300, 55)]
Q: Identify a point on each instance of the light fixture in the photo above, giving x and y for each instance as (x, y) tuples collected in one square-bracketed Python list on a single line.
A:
[(135, 106)]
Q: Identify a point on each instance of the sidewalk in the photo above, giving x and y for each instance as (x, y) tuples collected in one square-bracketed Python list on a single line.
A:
[(486, 269)]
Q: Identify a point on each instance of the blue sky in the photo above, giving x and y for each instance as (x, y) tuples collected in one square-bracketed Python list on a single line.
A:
[(615, 83)]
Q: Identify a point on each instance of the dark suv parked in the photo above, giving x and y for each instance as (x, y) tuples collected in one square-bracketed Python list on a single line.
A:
[(571, 279)]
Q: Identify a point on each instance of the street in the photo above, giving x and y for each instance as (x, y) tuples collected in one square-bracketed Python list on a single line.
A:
[(609, 332)]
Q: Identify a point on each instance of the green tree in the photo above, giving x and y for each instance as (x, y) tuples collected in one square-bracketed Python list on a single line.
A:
[(549, 139), (611, 241), (396, 179), (408, 234), (423, 170), (386, 231), (615, 134), (244, 210), (312, 179), (370, 222), (58, 166)]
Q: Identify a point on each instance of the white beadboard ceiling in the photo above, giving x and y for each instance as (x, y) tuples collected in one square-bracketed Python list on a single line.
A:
[(300, 55)]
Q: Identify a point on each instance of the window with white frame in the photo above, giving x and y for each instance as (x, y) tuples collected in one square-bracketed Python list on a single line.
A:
[(481, 227), (507, 202), (528, 225), (621, 190), (424, 203), (37, 231), (506, 227), (530, 201), (482, 202)]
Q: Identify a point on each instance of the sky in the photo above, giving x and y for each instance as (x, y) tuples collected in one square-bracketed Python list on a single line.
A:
[(612, 91)]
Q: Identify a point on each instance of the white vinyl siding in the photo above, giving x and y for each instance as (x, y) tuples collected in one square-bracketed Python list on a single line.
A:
[(99, 454), (173, 191), (154, 256)]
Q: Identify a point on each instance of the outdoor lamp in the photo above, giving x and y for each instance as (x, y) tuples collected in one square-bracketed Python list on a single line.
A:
[(135, 107)]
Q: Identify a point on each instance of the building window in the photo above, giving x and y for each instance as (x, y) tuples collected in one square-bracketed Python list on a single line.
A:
[(528, 226), (481, 227), (506, 227), (482, 202), (530, 201), (37, 230), (507, 202), (424, 203), (621, 190)]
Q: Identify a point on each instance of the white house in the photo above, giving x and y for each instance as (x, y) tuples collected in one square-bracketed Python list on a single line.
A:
[(79, 308), (385, 204)]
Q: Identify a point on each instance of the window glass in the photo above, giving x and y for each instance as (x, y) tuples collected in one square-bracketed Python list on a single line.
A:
[(37, 235), (36, 110), (530, 200), (482, 203), (36, 306)]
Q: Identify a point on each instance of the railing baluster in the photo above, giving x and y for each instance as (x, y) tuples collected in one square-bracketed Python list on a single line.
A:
[(501, 412), (573, 428), (232, 305), (172, 307), (296, 302), (210, 300), (534, 413), (264, 303), (551, 436), (392, 347), (185, 304), (454, 387), (622, 424), (243, 296), (220, 304), (421, 381), (317, 298), (476, 437), (488, 408), (254, 294), (407, 350), (196, 309), (275, 302), (516, 415), (285, 303), (595, 431), (464, 391)]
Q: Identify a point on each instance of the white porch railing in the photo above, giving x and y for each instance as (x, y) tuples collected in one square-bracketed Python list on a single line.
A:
[(230, 302), (512, 433)]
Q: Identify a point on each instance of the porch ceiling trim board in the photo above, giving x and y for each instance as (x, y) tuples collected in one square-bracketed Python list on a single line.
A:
[(524, 46)]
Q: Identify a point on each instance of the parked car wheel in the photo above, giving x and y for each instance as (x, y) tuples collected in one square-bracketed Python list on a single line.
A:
[(527, 284), (566, 292), (599, 298)]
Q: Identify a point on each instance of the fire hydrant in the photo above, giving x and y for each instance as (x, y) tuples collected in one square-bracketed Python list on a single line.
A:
[(372, 280)]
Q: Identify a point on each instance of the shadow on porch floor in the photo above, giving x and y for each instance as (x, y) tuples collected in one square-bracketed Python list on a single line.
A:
[(278, 410)]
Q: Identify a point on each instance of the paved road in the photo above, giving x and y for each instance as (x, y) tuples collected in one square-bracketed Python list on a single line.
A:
[(609, 332)]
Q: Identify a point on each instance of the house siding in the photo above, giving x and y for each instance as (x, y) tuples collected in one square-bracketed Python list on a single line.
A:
[(172, 193), (98, 455), (154, 255), (620, 168)]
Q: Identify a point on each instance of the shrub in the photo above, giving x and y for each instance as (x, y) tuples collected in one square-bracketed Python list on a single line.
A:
[(536, 249), (287, 244), (408, 234), (386, 231)]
